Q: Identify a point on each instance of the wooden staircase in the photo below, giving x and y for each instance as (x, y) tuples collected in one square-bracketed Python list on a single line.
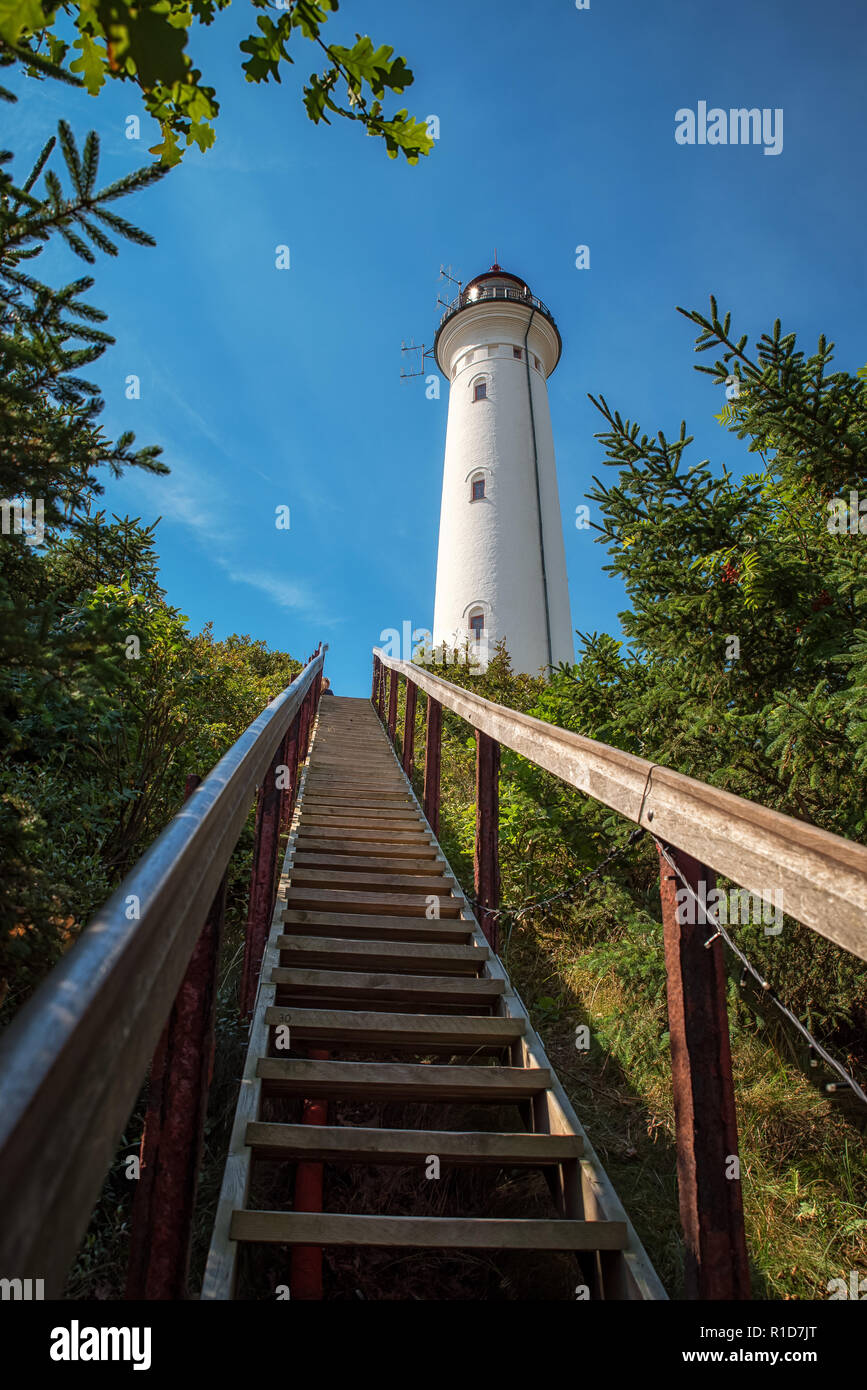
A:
[(374, 950)]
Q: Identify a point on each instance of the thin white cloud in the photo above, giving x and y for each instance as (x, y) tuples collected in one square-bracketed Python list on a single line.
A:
[(295, 598), (189, 499)]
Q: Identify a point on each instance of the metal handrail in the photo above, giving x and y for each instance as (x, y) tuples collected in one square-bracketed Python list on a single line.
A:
[(477, 295), (73, 1060), (823, 876)]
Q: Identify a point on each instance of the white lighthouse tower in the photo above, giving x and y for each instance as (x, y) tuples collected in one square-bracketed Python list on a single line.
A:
[(501, 566)]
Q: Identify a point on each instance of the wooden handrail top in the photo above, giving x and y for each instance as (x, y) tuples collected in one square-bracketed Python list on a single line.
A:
[(822, 877), (73, 1060)]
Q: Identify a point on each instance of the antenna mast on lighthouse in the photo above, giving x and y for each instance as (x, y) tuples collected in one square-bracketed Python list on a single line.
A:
[(428, 352)]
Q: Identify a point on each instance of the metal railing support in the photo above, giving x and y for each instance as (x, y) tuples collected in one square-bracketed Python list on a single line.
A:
[(262, 879), (171, 1146), (408, 758), (432, 757), (708, 1166), (486, 860), (392, 706)]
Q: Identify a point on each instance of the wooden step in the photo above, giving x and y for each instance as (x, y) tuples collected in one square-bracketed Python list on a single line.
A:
[(400, 956), (399, 820), (349, 834), (412, 1081), (437, 1031), (318, 822), (352, 900), (381, 785), (383, 788), (417, 988), (351, 801), (345, 879), (364, 864), (359, 852), (384, 782), (354, 770), (433, 1232), (346, 1144), (361, 926)]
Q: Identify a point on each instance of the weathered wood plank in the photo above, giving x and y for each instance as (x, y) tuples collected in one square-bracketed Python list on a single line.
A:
[(351, 833), (398, 820), (473, 955), (420, 1081), (422, 1030), (382, 882), (420, 987), (822, 877), (349, 801), (401, 904), (307, 844), (368, 865), (349, 1144), (401, 956), (434, 1232), (367, 926)]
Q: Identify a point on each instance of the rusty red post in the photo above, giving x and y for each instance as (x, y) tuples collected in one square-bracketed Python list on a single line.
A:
[(409, 727), (380, 698), (432, 754), (171, 1145), (262, 881), (708, 1168), (392, 707), (377, 666), (486, 860)]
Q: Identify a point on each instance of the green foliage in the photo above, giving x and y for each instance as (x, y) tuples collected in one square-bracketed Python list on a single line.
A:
[(706, 559), (148, 43), (100, 753)]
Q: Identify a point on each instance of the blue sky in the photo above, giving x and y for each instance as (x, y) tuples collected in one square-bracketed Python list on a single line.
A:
[(269, 387)]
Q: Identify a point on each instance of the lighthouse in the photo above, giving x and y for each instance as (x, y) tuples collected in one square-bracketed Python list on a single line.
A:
[(501, 563)]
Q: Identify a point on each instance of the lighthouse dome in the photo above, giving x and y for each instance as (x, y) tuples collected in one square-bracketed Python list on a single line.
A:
[(495, 278), (509, 307)]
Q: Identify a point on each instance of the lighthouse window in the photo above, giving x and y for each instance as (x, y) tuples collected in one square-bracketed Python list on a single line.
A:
[(538, 364), (478, 490), (518, 353), (480, 391), (477, 624)]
